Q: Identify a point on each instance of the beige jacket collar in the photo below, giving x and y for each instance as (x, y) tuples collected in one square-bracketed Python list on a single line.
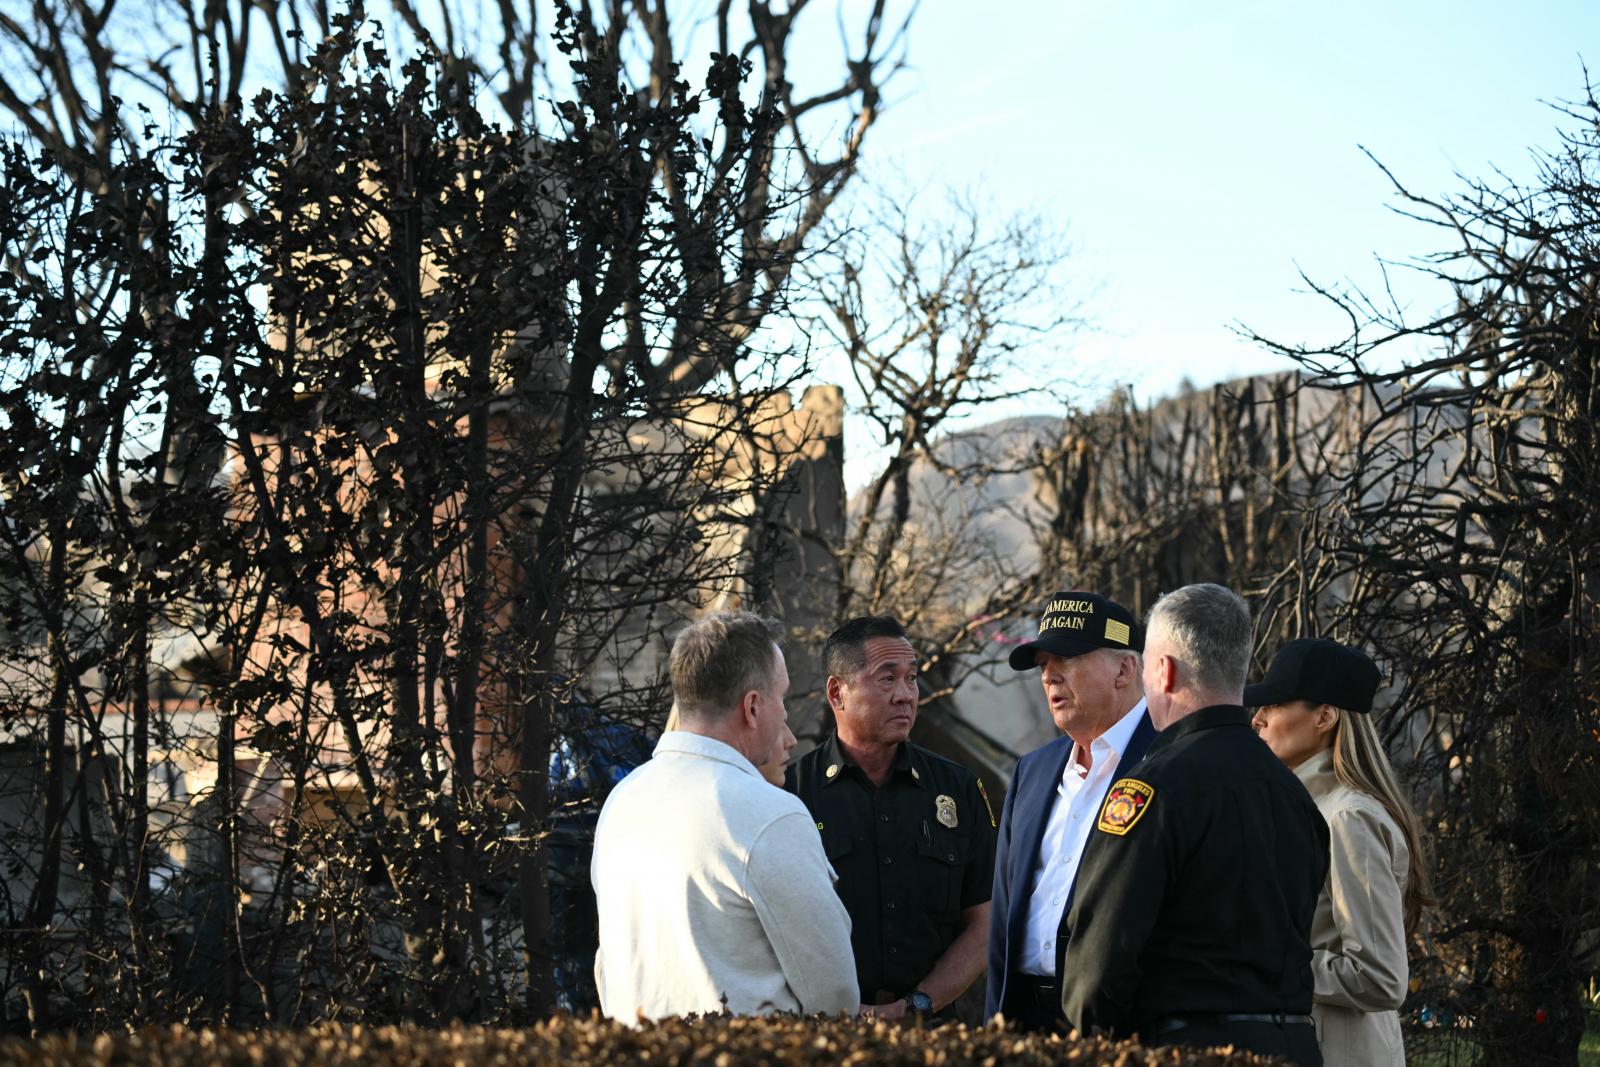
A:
[(1316, 774)]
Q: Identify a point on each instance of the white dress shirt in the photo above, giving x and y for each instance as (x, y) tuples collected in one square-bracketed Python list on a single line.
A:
[(714, 893), (1072, 816)]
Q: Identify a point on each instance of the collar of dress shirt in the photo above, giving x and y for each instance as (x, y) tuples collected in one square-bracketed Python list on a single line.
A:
[(682, 742), (1110, 745)]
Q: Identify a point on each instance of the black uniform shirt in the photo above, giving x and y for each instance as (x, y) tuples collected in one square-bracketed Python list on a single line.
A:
[(909, 855), (1198, 884)]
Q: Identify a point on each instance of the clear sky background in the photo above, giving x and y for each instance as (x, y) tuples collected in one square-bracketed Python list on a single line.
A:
[(1201, 154)]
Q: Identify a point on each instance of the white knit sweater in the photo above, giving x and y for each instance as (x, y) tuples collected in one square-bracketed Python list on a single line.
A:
[(714, 893)]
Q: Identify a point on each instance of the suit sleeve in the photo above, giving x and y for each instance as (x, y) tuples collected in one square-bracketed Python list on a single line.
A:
[(1364, 968), (999, 901), (1121, 885), (791, 887)]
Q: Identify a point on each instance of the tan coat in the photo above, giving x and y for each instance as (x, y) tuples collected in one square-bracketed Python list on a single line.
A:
[(1358, 940)]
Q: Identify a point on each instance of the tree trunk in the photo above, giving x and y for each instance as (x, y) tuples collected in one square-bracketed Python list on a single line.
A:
[(41, 911), (537, 711)]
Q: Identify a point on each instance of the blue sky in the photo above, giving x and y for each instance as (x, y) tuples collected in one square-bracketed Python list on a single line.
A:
[(1200, 154)]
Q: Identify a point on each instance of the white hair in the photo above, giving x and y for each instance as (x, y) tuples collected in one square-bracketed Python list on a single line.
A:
[(1209, 632)]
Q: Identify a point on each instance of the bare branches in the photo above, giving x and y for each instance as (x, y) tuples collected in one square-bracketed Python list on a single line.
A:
[(425, 530), (1456, 529), (82, 63), (934, 322)]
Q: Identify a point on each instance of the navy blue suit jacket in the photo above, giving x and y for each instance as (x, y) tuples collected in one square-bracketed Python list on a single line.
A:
[(1022, 824)]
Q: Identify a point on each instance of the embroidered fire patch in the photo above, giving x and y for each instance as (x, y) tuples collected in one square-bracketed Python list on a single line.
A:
[(1126, 801)]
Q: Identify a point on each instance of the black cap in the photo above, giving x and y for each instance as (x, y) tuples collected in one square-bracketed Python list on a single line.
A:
[(1318, 670), (1077, 622)]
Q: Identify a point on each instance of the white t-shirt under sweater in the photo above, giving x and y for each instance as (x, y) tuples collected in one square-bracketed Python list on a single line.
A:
[(714, 893)]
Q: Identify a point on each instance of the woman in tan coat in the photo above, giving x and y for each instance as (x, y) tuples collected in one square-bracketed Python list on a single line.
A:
[(1313, 710)]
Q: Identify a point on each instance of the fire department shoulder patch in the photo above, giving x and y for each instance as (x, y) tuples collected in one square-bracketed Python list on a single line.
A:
[(1125, 804)]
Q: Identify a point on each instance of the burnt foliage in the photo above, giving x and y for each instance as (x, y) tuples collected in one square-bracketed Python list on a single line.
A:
[(357, 455), (723, 1040)]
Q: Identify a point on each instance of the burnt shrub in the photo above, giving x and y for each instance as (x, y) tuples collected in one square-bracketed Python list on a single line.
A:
[(724, 1041)]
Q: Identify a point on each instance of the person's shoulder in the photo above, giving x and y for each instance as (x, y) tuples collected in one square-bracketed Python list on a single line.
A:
[(1041, 768), (640, 778), (809, 771), (1237, 745), (809, 760), (1202, 761), (944, 773), (757, 802), (1047, 754), (1348, 805), (1246, 758), (941, 768), (640, 791), (1174, 761)]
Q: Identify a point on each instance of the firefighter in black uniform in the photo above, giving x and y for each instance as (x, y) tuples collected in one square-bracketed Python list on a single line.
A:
[(909, 834), (1191, 920)]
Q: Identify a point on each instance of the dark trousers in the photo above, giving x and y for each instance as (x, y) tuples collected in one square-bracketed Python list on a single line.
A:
[(1295, 1042), (1033, 1004)]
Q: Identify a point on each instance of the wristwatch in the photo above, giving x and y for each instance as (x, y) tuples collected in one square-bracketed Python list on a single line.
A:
[(919, 1004)]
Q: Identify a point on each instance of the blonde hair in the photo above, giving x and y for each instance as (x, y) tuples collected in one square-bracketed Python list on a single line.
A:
[(717, 659), (1360, 762)]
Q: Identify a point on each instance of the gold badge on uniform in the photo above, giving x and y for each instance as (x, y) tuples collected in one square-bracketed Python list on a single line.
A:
[(1125, 804), (945, 808)]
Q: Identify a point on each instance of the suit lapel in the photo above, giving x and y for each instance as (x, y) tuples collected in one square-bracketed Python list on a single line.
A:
[(1031, 815), (1138, 745)]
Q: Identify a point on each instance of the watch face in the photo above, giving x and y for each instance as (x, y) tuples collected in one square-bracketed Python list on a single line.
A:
[(919, 1002)]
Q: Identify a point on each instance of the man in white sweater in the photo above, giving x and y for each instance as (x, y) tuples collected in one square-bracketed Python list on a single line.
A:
[(714, 893)]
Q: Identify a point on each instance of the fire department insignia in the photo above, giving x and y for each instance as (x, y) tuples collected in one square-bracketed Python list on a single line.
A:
[(1125, 804), (945, 809)]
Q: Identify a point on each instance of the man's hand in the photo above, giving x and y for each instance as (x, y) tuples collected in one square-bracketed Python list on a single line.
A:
[(890, 1012)]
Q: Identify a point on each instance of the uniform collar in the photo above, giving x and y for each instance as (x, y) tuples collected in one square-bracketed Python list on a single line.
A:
[(1205, 719), (907, 762)]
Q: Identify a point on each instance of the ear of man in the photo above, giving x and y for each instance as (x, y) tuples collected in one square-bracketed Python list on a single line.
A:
[(1166, 673), (750, 708), (835, 691)]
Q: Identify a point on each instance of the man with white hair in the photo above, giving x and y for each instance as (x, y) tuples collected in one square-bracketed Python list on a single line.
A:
[(1191, 919), (1087, 656), (712, 888)]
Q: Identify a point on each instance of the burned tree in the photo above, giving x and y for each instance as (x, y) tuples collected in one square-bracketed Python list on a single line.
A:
[(1459, 526), (358, 453), (936, 321)]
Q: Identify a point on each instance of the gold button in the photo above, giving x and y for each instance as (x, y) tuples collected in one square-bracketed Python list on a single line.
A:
[(833, 769), (915, 775)]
